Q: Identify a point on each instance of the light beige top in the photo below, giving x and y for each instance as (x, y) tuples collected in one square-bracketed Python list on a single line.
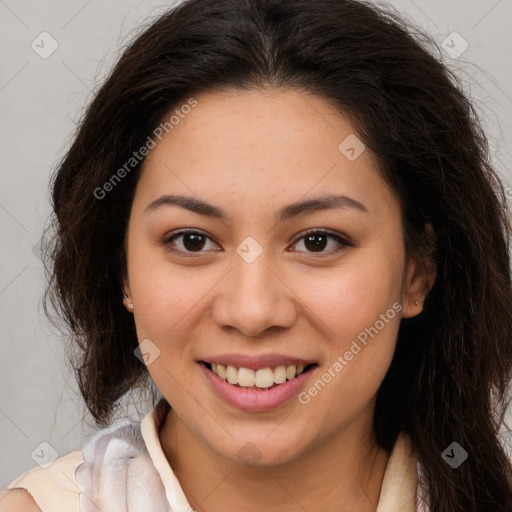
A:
[(56, 488)]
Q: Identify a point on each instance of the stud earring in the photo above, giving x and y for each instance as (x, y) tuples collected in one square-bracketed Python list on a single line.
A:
[(417, 302), (127, 305)]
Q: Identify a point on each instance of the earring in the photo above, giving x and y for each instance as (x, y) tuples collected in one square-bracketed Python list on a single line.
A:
[(128, 306), (417, 302)]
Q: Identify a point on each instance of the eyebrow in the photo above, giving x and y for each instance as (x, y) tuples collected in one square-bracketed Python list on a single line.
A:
[(325, 202)]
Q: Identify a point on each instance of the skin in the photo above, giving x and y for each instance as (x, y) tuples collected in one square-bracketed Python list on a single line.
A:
[(250, 153)]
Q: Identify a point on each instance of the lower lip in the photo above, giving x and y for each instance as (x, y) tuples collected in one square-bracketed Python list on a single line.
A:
[(253, 400)]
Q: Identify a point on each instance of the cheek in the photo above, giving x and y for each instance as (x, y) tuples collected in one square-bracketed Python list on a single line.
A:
[(169, 301), (352, 297), (360, 303), (163, 293)]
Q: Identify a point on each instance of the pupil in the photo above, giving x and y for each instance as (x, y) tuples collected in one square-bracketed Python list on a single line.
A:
[(319, 245), (196, 244)]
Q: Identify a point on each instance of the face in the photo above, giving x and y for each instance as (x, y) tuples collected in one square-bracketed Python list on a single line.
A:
[(251, 282)]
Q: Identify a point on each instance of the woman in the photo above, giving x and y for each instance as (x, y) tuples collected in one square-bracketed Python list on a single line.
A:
[(282, 213)]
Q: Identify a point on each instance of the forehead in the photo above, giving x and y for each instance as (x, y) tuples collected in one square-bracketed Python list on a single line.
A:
[(255, 146)]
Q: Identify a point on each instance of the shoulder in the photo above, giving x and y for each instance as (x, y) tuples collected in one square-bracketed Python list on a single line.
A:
[(44, 486), (56, 486), (17, 500), (113, 471)]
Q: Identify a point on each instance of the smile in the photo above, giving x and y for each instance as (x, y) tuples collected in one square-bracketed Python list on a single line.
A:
[(265, 386), (262, 378)]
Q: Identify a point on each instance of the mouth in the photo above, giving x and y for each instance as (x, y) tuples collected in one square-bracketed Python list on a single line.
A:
[(257, 379)]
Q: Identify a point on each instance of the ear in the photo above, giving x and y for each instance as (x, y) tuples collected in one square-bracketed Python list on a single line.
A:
[(126, 286), (420, 276)]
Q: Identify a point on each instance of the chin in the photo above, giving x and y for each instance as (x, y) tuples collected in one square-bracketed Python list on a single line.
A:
[(260, 449)]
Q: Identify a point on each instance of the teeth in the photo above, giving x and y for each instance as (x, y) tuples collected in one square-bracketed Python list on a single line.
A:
[(291, 371), (263, 378), (231, 374), (246, 377), (280, 374), (221, 371)]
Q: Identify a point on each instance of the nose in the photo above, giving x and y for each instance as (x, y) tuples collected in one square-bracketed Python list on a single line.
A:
[(254, 297)]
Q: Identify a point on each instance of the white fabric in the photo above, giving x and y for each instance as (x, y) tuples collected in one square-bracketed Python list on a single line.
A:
[(117, 474)]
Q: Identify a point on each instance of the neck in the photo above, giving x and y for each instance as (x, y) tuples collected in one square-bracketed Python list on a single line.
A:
[(342, 473)]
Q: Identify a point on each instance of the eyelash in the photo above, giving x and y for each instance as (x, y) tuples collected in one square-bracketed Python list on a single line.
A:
[(344, 243)]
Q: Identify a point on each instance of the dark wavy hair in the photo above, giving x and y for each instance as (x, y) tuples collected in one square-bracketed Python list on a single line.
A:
[(448, 379)]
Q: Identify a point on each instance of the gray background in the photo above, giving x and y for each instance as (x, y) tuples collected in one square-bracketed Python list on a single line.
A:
[(40, 101)]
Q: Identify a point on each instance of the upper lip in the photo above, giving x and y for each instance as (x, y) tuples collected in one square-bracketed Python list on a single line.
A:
[(256, 362)]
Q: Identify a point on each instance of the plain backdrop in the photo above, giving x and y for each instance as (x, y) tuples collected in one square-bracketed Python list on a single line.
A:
[(40, 101)]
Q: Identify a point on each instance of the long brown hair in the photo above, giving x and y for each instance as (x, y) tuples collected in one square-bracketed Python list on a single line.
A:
[(410, 110)]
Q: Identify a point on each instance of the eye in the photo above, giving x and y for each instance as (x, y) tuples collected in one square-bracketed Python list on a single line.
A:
[(316, 240), (192, 241)]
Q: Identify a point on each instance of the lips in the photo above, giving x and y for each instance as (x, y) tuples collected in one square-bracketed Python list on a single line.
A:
[(257, 383)]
